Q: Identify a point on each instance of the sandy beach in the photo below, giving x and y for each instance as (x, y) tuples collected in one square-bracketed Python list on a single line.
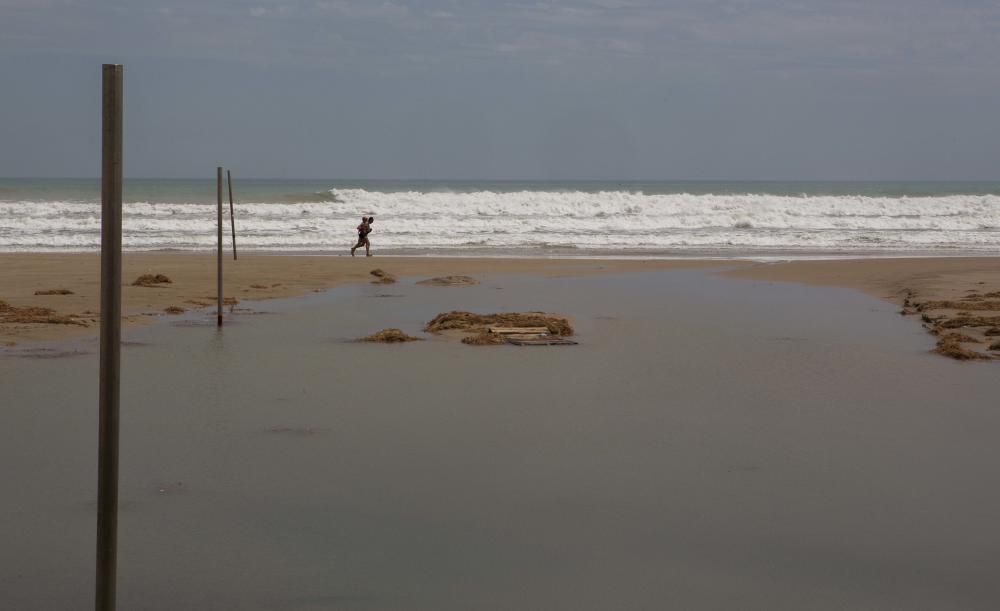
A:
[(957, 300), (193, 281), (668, 305)]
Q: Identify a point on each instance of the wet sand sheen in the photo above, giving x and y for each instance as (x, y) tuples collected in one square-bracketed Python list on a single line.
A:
[(710, 443), (25, 278), (193, 281)]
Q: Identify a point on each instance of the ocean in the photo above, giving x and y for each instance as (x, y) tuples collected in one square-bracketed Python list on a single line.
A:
[(504, 218)]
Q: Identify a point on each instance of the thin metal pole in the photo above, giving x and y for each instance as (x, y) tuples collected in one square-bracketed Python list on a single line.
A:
[(218, 192), (111, 289), (232, 216)]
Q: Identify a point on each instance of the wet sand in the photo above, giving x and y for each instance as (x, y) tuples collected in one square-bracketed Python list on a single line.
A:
[(939, 290), (711, 443), (957, 300), (193, 283), (885, 278)]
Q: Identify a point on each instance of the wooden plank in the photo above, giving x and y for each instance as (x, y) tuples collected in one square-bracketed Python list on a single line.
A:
[(540, 341), (521, 330)]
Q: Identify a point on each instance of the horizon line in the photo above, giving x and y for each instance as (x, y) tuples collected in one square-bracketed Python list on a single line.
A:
[(540, 180)]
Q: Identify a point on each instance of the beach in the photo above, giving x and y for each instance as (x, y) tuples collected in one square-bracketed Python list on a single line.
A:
[(711, 400), (193, 281), (669, 305), (922, 280), (712, 441)]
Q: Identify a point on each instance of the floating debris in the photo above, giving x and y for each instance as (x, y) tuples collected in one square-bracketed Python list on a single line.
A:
[(174, 310), (170, 488)]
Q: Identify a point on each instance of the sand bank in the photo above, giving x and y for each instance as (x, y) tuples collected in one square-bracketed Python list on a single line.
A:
[(947, 294), (251, 277)]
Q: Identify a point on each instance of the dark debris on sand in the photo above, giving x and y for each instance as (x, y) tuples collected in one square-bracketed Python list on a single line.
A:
[(484, 338), (151, 280), (55, 292), (950, 344), (977, 315), (382, 277), (37, 315), (449, 281), (390, 336), (480, 323)]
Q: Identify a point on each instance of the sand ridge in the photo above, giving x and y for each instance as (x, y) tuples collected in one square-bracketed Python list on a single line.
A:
[(252, 277), (956, 298), (949, 294)]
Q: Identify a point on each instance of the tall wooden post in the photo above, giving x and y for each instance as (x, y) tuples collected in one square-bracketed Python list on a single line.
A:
[(232, 215), (111, 293), (218, 190)]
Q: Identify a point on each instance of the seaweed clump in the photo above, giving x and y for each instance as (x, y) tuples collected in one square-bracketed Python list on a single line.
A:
[(950, 345), (174, 310), (229, 301), (480, 323), (36, 315), (484, 338), (152, 280), (965, 304), (390, 336), (382, 277), (55, 292), (968, 321)]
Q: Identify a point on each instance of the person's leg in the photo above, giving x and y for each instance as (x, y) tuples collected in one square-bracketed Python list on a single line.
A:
[(356, 246), (368, 248)]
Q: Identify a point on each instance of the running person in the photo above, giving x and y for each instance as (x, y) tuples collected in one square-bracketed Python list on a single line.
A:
[(363, 230)]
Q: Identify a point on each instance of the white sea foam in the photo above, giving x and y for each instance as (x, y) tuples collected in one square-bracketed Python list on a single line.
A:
[(604, 221)]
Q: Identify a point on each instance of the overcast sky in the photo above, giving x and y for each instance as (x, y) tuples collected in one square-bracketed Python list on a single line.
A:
[(672, 89)]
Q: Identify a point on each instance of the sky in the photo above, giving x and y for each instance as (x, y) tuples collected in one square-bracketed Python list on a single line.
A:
[(498, 89)]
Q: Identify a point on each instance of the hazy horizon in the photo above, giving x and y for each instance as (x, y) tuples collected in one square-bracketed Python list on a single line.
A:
[(406, 179), (515, 90)]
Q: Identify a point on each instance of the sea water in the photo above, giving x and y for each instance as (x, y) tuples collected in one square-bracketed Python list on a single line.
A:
[(520, 218), (710, 444)]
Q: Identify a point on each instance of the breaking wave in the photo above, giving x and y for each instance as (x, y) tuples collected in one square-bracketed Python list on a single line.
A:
[(609, 221)]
